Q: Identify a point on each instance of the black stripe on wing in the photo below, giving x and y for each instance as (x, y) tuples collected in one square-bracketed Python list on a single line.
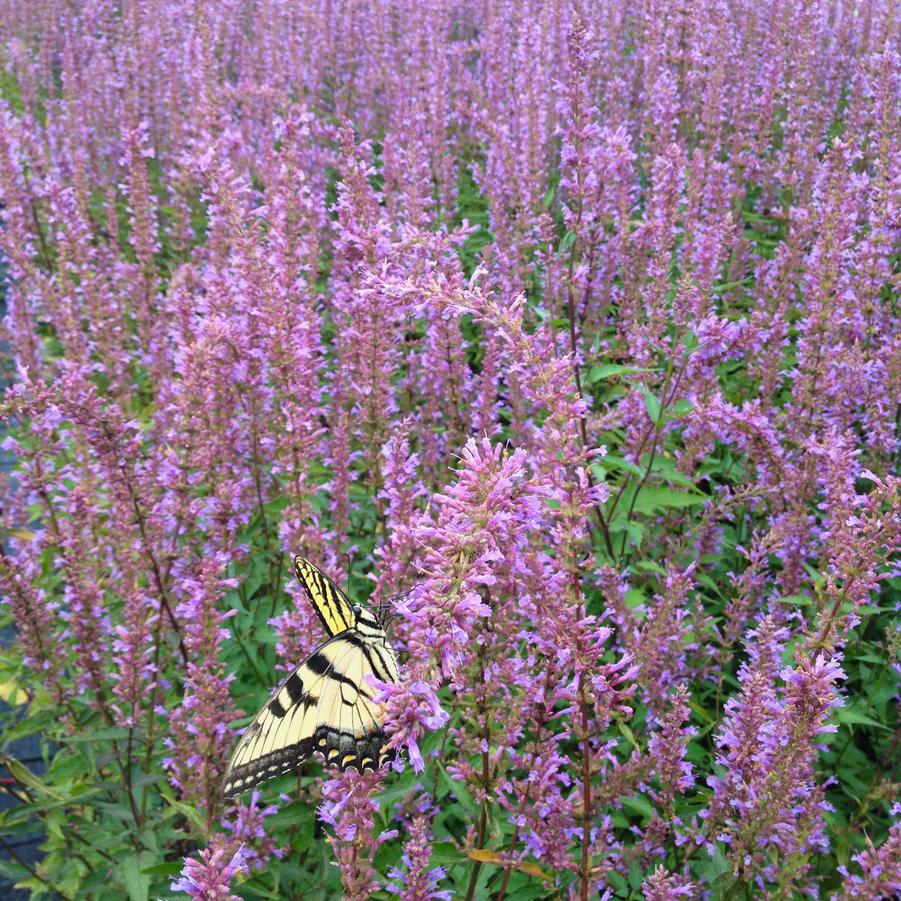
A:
[(340, 749), (317, 689), (328, 600)]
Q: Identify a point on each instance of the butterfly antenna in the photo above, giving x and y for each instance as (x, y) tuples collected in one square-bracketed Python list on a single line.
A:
[(350, 558), (385, 610)]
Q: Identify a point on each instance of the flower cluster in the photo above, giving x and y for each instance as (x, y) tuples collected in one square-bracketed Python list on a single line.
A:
[(564, 332), (208, 879)]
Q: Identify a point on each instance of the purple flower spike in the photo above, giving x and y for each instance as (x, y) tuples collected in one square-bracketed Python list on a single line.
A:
[(210, 879)]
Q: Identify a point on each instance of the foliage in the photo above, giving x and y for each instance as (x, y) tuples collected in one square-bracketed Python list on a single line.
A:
[(572, 327)]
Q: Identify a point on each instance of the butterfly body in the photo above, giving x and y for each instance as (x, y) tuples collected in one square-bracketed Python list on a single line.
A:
[(327, 703)]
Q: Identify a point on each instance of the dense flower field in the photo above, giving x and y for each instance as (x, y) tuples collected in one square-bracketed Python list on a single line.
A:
[(571, 327)]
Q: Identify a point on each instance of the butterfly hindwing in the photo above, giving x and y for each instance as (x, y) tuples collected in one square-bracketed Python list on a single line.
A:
[(329, 601), (325, 705)]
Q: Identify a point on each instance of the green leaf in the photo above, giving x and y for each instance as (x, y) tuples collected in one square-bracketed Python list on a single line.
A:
[(136, 881), (665, 468), (608, 370), (797, 600), (612, 462), (25, 777), (730, 286), (191, 814), (628, 734), (446, 854), (702, 712), (566, 242), (108, 733), (13, 871), (681, 407), (164, 870), (635, 531), (852, 716), (635, 877), (713, 867), (638, 805), (651, 566), (459, 791), (651, 499)]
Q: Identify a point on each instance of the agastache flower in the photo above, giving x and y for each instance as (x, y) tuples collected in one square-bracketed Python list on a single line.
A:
[(880, 867), (768, 799), (413, 710), (200, 736), (663, 886), (210, 878), (380, 280), (246, 826), (417, 881), (349, 808)]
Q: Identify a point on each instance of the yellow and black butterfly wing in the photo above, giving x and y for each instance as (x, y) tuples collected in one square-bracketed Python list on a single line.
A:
[(325, 705), (329, 601)]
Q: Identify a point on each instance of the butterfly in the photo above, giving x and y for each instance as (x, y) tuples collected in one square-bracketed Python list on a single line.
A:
[(327, 704)]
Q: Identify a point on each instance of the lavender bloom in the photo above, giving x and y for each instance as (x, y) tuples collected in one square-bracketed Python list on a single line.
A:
[(880, 867), (247, 828), (418, 882), (413, 710), (668, 746), (663, 886), (208, 879), (201, 739), (572, 327), (768, 806), (349, 808)]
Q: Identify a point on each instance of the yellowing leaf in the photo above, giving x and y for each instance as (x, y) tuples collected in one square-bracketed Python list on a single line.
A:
[(532, 869), (25, 777), (484, 856), (12, 694)]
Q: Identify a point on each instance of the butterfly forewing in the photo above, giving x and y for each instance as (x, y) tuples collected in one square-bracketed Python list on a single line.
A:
[(325, 705), (329, 601)]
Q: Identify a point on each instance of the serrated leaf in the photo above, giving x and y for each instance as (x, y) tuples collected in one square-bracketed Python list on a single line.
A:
[(713, 867), (135, 880), (680, 408), (635, 531), (566, 242), (191, 814), (446, 854)]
